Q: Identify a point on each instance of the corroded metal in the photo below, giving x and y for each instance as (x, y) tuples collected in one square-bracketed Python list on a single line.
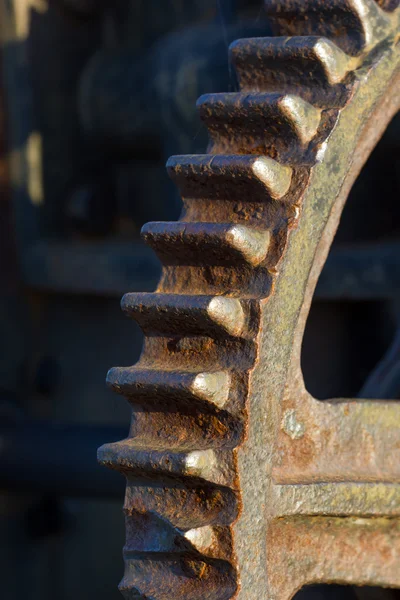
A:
[(239, 483)]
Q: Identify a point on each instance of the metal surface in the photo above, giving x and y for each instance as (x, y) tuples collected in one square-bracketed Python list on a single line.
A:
[(239, 483)]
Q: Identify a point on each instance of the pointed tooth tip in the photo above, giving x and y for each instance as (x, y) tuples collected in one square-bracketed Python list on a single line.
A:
[(213, 387), (200, 462), (252, 244), (336, 62), (228, 313), (201, 538), (276, 177), (304, 117)]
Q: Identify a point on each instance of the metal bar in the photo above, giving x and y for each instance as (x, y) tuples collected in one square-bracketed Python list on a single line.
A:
[(365, 272), (361, 272), (104, 268)]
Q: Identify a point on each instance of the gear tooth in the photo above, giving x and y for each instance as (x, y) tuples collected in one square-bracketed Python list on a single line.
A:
[(355, 25), (250, 243), (176, 314), (335, 63), (129, 457), (158, 532), (201, 538), (311, 67), (154, 532), (142, 385), (279, 124), (230, 177), (186, 506), (188, 577), (213, 387), (211, 243), (213, 542), (227, 313), (276, 177), (303, 117)]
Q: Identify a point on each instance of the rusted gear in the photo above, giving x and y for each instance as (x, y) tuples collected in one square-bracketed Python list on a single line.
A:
[(239, 483)]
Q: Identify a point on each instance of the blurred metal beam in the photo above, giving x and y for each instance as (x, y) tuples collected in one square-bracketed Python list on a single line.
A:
[(384, 380), (57, 458), (109, 268), (361, 272)]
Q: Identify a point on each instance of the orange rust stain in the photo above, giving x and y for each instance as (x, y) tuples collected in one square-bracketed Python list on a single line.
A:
[(296, 453)]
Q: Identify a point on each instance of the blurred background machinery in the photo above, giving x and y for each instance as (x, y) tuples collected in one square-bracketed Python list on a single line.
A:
[(94, 97)]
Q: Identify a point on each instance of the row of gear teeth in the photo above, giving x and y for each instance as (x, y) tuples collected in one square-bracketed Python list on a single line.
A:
[(189, 389)]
